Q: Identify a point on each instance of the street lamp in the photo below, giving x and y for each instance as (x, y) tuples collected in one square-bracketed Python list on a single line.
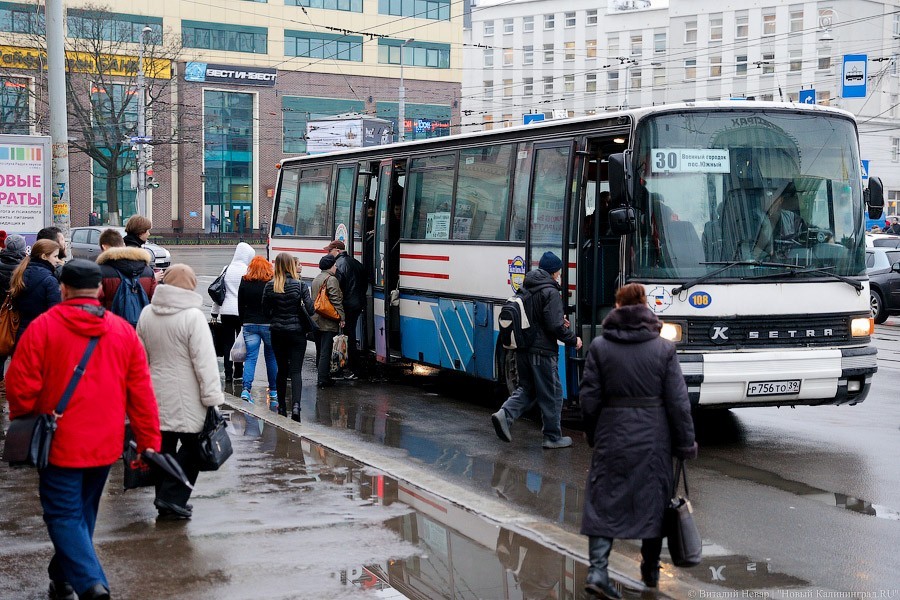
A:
[(142, 128), (401, 106)]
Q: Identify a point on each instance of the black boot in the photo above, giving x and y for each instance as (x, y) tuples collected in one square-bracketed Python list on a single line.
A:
[(282, 407), (603, 590), (295, 412), (650, 574), (61, 590)]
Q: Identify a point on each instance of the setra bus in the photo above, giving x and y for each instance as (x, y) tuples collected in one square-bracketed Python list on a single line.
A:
[(744, 221)]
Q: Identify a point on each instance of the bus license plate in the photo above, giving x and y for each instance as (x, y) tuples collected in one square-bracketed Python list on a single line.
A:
[(773, 388)]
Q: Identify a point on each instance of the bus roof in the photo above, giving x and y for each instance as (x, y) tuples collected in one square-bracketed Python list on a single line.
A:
[(634, 114)]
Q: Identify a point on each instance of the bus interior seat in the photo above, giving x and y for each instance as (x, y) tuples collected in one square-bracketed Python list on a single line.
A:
[(683, 248)]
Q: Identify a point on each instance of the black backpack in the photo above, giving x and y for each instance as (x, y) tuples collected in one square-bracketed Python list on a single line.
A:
[(130, 299), (516, 321)]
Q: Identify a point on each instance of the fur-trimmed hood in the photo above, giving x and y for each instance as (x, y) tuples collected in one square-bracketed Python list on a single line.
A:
[(631, 324), (124, 253)]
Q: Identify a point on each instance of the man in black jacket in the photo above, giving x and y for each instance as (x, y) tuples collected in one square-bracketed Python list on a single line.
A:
[(538, 364), (351, 276)]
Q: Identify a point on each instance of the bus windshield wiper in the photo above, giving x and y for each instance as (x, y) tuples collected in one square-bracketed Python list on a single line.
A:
[(725, 266), (794, 270)]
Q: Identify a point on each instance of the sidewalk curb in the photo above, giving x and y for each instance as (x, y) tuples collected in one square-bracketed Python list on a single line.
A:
[(486, 507)]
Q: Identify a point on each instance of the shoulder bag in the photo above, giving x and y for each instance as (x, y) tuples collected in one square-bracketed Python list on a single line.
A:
[(9, 326), (323, 305), (216, 289), (215, 445), (684, 541), (28, 438)]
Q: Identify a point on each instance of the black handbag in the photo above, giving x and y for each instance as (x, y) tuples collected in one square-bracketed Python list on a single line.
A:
[(685, 545), (215, 445), (216, 289), (217, 330), (28, 438)]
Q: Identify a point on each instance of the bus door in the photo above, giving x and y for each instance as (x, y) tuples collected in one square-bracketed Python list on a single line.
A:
[(386, 259), (362, 240), (551, 165)]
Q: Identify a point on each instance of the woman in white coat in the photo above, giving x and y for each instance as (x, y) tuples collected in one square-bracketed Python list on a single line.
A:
[(231, 321), (185, 376)]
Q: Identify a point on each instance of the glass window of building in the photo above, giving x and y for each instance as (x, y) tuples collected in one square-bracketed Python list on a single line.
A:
[(421, 121), (488, 89), (507, 57), (590, 82), (507, 88), (612, 46), (528, 55), (768, 24), (488, 122), (824, 59), (528, 86), (793, 96), (715, 28), (690, 69), (508, 26), (768, 63), (592, 16), (636, 78), (895, 100), (527, 24), (796, 19), (823, 97), (218, 36), (767, 97), (637, 45), (570, 20), (895, 30), (659, 76), (15, 106), (327, 46), (228, 158), (548, 53), (715, 66), (488, 28), (659, 42), (591, 48), (548, 85), (112, 27), (569, 84), (549, 21), (690, 32), (612, 81), (741, 26), (507, 122), (114, 115), (418, 54), (488, 57), (570, 51), (345, 5), (741, 64), (438, 10), (796, 60), (22, 18), (126, 198)]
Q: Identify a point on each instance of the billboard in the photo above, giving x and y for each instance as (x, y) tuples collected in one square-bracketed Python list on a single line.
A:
[(620, 6)]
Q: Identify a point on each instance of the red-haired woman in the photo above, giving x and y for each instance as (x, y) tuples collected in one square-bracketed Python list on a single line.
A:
[(255, 325)]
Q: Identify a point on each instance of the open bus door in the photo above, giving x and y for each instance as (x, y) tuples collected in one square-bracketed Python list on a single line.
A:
[(386, 259), (363, 239)]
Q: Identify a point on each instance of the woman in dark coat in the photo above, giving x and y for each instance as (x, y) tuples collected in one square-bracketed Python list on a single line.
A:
[(632, 375), (33, 287)]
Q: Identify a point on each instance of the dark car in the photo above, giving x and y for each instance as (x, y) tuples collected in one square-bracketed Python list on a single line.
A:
[(883, 268), (84, 242)]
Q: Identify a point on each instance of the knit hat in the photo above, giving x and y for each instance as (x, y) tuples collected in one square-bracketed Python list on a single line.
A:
[(326, 262), (180, 275), (550, 263), (16, 244), (81, 274), (335, 245)]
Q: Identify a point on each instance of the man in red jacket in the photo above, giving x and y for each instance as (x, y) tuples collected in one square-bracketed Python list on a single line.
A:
[(91, 431)]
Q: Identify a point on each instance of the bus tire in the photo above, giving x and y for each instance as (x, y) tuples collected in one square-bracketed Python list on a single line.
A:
[(507, 372), (876, 303)]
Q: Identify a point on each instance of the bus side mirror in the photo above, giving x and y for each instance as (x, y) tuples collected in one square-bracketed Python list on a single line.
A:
[(617, 180), (874, 197), (622, 220)]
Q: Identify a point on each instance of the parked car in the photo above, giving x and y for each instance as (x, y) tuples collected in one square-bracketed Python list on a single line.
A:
[(883, 268), (882, 240), (84, 242)]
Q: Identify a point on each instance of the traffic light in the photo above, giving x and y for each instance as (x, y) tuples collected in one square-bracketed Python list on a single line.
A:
[(151, 181)]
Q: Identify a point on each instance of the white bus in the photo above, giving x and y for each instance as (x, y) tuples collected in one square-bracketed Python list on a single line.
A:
[(745, 222)]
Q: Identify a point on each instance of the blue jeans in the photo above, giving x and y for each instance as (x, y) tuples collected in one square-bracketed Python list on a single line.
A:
[(538, 383), (70, 498), (253, 336)]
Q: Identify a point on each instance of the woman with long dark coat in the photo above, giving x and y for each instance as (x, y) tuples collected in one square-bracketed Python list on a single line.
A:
[(637, 415)]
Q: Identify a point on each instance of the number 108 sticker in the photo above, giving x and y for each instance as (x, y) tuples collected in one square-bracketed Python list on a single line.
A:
[(688, 160)]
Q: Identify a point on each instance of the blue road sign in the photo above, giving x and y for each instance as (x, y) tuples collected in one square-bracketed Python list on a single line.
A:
[(854, 75), (807, 96), (532, 118), (140, 139), (864, 165)]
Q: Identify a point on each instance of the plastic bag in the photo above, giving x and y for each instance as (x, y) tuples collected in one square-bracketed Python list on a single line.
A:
[(239, 349), (339, 353)]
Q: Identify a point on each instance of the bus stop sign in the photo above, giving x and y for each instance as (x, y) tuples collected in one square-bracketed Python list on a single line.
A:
[(854, 76)]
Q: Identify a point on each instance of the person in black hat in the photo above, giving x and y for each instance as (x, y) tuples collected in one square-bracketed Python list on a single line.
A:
[(537, 364), (351, 276)]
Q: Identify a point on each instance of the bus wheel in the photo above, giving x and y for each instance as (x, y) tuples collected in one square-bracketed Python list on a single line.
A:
[(876, 302), (507, 372)]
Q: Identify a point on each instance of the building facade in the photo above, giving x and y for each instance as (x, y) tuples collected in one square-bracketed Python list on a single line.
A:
[(246, 79), (531, 57)]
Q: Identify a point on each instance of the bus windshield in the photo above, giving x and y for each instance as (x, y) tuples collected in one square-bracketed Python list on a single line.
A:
[(760, 188)]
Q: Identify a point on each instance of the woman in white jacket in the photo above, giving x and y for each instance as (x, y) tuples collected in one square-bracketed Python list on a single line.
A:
[(231, 322), (185, 376)]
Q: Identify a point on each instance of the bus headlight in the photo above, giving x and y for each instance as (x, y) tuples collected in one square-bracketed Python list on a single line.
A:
[(862, 327), (671, 332)]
